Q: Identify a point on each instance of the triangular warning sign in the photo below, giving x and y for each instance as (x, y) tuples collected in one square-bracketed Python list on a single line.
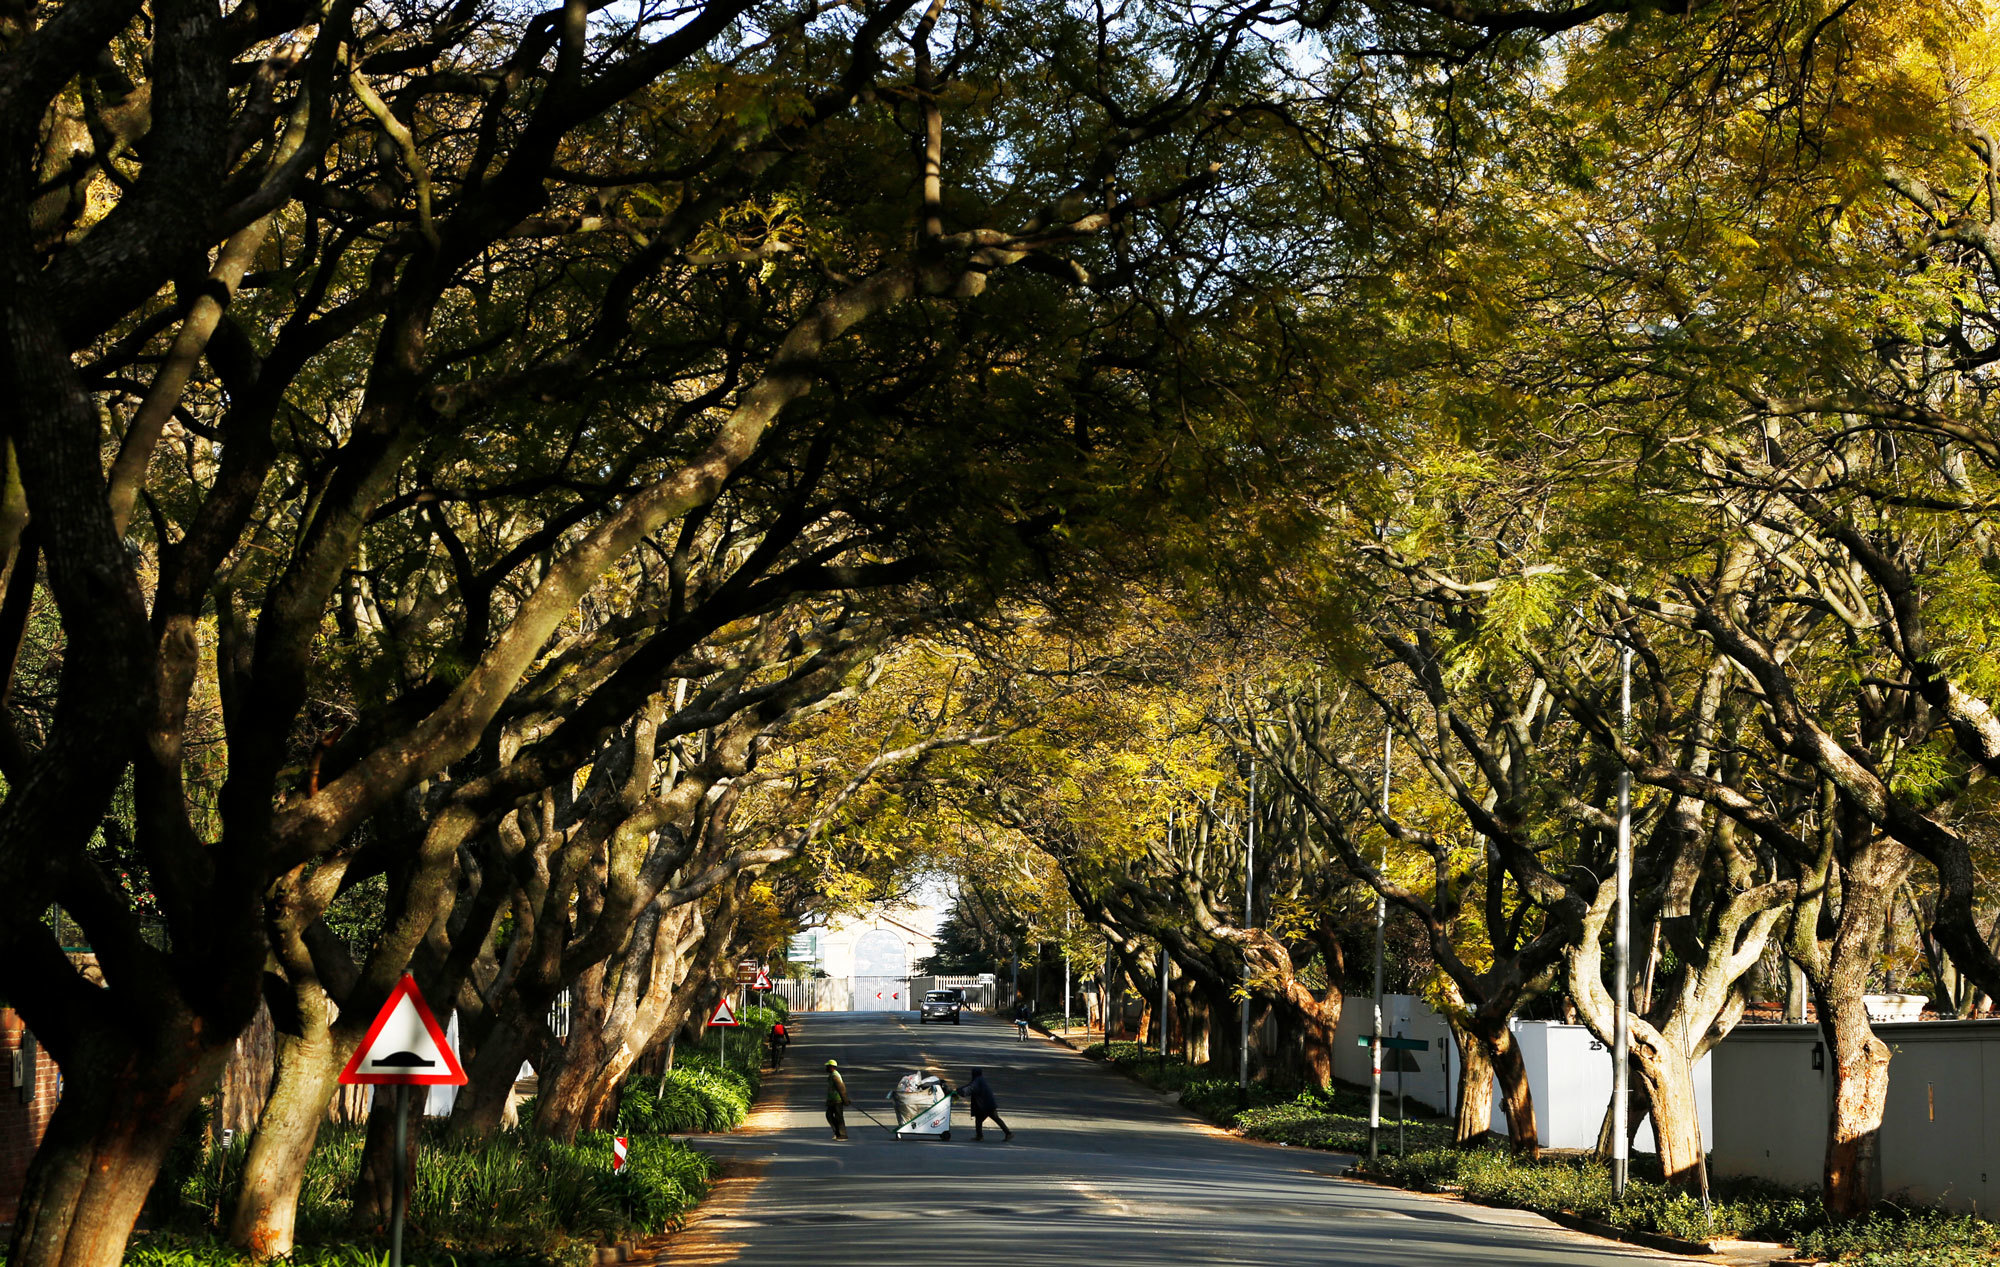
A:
[(724, 1014), (763, 981), (405, 1045)]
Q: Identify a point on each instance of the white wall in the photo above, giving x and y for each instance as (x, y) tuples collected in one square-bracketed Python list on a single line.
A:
[(1940, 1142), (1406, 1016), (1569, 1073)]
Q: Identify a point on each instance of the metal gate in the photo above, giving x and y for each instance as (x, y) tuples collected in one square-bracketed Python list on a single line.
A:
[(882, 994), (881, 973)]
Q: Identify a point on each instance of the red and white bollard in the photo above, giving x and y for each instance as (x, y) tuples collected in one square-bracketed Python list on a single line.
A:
[(618, 1150)]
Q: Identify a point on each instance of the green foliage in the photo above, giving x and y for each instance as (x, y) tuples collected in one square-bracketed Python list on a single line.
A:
[(686, 1098), (514, 1198), (1906, 1238), (1748, 1209), (701, 1092), (1057, 1023), (1335, 1119)]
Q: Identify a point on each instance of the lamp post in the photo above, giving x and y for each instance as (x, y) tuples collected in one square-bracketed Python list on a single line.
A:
[(1621, 971), (1065, 972), (1249, 891), (1381, 916), (1166, 964)]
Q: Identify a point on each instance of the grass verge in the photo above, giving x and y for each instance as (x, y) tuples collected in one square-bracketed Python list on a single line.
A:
[(1336, 1119), (1738, 1208), (1743, 1209)]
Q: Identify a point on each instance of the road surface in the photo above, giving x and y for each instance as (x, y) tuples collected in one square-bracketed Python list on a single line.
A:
[(1101, 1170)]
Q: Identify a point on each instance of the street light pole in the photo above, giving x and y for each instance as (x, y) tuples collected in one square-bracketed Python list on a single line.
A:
[(1065, 972), (1622, 954), (1381, 916), (1249, 890), (1166, 965)]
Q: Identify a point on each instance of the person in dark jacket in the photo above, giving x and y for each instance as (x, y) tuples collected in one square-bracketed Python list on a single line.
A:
[(980, 1097), (836, 1100), (1022, 1015)]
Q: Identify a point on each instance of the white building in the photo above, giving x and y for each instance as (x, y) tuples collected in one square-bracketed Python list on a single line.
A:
[(872, 953)]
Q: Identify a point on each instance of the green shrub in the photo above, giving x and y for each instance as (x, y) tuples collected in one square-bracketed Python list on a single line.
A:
[(517, 1198), (1334, 1119), (1056, 1023), (1740, 1208), (693, 1096), (1906, 1238)]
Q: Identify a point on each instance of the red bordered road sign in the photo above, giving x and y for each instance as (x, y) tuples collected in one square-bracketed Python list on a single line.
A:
[(405, 1046), (763, 981), (723, 1014)]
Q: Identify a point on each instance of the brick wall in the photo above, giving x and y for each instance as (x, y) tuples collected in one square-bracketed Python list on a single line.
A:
[(21, 1124)]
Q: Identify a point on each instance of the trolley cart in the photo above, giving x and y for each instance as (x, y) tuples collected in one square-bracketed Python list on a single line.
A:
[(934, 1119)]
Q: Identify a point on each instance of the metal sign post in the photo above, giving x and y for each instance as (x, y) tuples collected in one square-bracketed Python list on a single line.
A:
[(722, 1020), (399, 1204), (1249, 891), (1381, 917), (404, 1048), (1621, 1142)]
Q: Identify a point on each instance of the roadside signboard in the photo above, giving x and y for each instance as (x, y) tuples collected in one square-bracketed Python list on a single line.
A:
[(747, 970), (1395, 1044), (405, 1046), (723, 1014), (763, 981)]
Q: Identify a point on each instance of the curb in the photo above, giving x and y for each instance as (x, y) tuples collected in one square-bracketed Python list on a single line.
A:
[(1719, 1251), (1589, 1227), (1651, 1240)]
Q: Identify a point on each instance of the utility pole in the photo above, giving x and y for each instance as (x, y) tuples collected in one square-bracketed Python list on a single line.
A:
[(1621, 972), (1166, 964), (1381, 916), (1014, 983), (1065, 972), (1249, 892)]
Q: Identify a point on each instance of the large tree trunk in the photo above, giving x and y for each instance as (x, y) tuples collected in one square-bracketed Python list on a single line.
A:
[(1860, 1063), (247, 1079), (1517, 1100), (308, 1073), (481, 1107), (1860, 1090), (118, 1115), (375, 1185), (669, 961), (1669, 1085), (1474, 1120), (564, 1106)]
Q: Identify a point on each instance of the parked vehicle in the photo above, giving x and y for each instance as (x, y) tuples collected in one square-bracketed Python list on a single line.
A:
[(939, 1005)]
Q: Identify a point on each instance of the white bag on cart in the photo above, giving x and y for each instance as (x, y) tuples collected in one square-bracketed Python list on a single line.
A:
[(923, 1106)]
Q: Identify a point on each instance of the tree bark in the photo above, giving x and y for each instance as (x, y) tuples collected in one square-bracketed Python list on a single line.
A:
[(1517, 1100), (1860, 1091), (481, 1107), (308, 1070), (375, 1185), (111, 1130), (1474, 1117), (1669, 1084)]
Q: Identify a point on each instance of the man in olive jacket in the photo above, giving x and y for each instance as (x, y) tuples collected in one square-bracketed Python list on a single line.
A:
[(836, 1100)]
